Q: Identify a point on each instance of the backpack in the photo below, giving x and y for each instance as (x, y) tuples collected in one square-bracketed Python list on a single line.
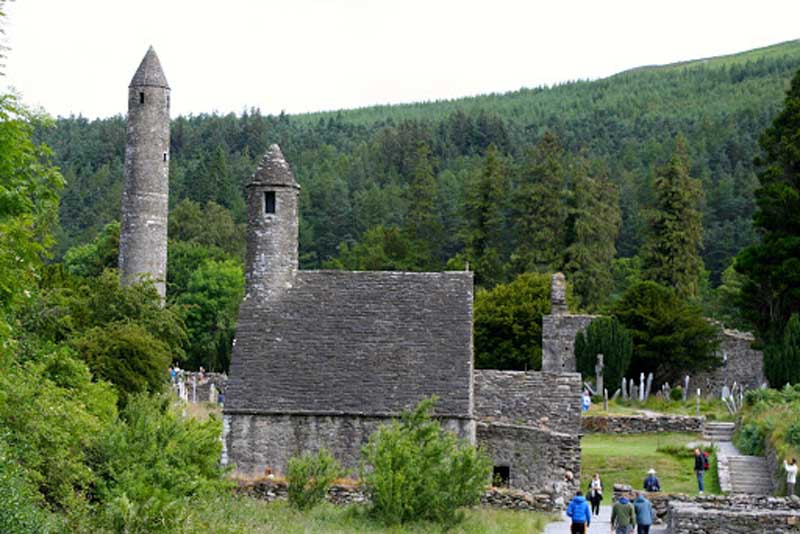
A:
[(706, 467)]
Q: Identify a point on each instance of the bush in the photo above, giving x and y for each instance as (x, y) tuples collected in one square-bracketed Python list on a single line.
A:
[(413, 470), (19, 501), (676, 393), (309, 477), (749, 439), (606, 336), (793, 434)]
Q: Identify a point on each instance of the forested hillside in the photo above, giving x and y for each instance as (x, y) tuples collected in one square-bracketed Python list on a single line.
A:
[(396, 186)]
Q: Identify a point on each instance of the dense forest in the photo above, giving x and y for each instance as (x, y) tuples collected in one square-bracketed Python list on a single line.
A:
[(389, 187)]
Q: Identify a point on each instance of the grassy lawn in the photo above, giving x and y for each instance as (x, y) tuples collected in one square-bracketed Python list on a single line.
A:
[(713, 409), (626, 459), (250, 516)]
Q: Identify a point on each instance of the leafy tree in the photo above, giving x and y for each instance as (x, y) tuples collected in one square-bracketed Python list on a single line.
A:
[(211, 225), (210, 307), (485, 211), (93, 258), (670, 337), (595, 225), (771, 292), (508, 323), (671, 255), (606, 336), (540, 213), (782, 358), (414, 470), (380, 249), (29, 186)]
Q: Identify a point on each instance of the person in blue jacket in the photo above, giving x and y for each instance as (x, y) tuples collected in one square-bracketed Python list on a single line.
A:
[(578, 510), (644, 514)]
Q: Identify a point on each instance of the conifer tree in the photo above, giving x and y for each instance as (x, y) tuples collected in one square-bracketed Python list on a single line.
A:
[(422, 220), (540, 213), (782, 359), (771, 292), (671, 252), (484, 220), (596, 220)]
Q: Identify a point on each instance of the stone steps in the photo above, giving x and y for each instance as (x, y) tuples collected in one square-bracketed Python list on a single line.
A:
[(718, 431), (749, 474)]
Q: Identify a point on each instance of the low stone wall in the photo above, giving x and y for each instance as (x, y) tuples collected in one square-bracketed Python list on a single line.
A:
[(735, 515), (272, 490), (254, 442), (640, 424), (538, 460), (550, 401)]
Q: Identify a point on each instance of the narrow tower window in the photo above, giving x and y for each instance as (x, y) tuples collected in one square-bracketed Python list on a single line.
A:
[(165, 156), (269, 202), (141, 98)]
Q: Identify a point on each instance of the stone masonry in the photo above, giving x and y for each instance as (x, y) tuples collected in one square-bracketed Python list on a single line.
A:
[(143, 232), (559, 330), (741, 364)]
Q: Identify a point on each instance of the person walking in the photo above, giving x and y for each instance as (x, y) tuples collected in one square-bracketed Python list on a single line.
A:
[(651, 482), (699, 469), (586, 401), (791, 475), (644, 514), (578, 511), (595, 493), (623, 516)]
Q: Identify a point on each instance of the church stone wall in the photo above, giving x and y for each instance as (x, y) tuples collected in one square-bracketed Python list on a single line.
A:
[(258, 441), (538, 460), (548, 401), (558, 341)]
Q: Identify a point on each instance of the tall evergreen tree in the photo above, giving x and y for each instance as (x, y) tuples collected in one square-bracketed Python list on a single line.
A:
[(771, 292), (596, 220), (485, 218), (540, 213), (672, 250), (422, 220)]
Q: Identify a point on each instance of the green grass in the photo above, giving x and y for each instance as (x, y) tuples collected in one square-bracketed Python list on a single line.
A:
[(245, 515), (713, 409), (626, 459)]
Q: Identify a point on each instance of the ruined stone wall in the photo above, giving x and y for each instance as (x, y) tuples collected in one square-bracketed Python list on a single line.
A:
[(740, 364), (203, 388), (538, 460), (638, 424), (550, 401), (744, 515), (255, 442), (558, 341)]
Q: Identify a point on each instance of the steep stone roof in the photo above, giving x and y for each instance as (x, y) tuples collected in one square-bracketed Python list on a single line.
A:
[(149, 72), (273, 170), (360, 343)]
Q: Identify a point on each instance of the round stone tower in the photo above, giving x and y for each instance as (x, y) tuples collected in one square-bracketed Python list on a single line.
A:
[(143, 235), (272, 216)]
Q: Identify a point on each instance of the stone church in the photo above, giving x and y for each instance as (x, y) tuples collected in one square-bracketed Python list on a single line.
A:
[(322, 358)]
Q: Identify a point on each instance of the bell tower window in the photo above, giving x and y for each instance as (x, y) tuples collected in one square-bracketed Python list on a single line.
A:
[(269, 202)]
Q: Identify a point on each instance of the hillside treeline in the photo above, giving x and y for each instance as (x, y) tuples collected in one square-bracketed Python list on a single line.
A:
[(392, 187)]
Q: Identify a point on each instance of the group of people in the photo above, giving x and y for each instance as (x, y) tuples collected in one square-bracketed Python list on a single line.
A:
[(625, 515)]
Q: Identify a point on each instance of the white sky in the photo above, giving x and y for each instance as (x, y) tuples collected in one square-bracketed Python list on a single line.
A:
[(78, 56)]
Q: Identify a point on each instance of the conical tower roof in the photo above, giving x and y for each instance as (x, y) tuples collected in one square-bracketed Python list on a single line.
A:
[(274, 170), (149, 72)]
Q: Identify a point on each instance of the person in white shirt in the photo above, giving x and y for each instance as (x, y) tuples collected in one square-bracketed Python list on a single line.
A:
[(791, 475)]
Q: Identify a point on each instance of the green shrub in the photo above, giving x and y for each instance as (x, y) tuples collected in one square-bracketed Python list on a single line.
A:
[(310, 476), (413, 470), (793, 434), (20, 510), (676, 393), (151, 462), (749, 439)]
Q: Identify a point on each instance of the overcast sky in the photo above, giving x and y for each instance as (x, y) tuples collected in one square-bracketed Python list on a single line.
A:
[(78, 56)]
